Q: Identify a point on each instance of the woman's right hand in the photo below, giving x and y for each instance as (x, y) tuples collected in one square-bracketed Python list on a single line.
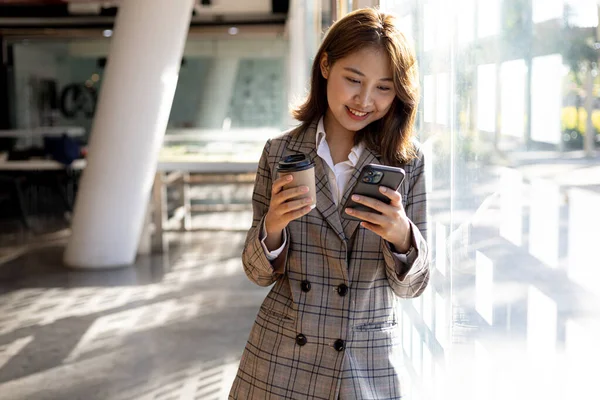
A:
[(282, 209)]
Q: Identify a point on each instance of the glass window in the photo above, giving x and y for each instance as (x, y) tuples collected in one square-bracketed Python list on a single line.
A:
[(545, 10), (510, 124), (236, 83), (488, 21)]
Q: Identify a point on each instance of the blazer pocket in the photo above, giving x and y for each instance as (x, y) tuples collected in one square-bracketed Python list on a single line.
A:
[(276, 316), (376, 327)]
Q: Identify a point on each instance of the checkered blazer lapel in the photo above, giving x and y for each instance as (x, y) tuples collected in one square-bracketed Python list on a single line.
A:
[(305, 142)]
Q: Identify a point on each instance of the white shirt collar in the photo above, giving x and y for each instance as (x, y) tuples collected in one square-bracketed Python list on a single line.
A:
[(323, 148)]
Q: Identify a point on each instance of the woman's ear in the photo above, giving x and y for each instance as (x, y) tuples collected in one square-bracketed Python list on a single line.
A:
[(324, 63)]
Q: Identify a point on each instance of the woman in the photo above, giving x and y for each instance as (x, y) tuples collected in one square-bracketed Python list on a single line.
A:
[(329, 328)]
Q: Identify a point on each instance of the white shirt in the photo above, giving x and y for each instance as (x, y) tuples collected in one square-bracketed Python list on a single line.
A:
[(338, 175)]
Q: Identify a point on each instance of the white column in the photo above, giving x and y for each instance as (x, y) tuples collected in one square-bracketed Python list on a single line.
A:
[(218, 91), (303, 23), (130, 122)]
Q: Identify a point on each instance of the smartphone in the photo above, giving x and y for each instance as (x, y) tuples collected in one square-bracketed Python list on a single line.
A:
[(371, 178)]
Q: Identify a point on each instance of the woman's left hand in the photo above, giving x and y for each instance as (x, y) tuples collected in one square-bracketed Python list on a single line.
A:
[(392, 224)]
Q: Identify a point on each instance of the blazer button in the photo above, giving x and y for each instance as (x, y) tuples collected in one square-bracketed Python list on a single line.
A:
[(305, 286), (342, 290), (301, 340), (339, 345)]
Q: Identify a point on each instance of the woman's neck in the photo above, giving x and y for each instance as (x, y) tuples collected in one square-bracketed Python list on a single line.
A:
[(339, 139)]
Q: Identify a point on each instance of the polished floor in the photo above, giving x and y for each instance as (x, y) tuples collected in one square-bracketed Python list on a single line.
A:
[(512, 311), (171, 327)]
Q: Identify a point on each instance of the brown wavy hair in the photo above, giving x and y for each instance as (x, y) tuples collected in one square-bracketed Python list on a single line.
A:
[(390, 136)]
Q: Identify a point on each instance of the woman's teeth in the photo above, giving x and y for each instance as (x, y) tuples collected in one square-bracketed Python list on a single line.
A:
[(357, 113)]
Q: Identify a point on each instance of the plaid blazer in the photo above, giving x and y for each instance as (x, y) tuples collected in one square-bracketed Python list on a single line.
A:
[(329, 327)]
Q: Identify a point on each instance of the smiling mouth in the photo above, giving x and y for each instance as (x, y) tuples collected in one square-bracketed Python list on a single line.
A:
[(359, 114)]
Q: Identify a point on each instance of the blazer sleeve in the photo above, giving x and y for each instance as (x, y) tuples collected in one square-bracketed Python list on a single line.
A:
[(410, 280), (257, 266)]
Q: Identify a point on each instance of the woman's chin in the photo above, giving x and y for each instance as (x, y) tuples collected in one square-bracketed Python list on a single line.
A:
[(355, 126)]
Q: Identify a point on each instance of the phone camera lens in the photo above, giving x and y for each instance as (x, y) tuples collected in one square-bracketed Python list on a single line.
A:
[(370, 172)]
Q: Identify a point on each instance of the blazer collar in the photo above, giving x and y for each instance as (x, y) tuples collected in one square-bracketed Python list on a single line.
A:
[(305, 142)]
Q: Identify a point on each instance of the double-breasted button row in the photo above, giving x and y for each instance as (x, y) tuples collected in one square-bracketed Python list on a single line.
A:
[(341, 289), (338, 345)]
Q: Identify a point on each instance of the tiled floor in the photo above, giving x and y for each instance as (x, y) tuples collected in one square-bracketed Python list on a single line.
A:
[(171, 327)]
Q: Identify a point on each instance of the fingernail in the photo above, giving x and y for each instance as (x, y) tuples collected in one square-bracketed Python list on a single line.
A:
[(355, 198), (304, 189), (348, 210), (383, 189), (313, 206), (308, 200), (289, 178)]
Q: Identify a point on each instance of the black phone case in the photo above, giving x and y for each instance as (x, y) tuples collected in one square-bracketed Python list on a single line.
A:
[(392, 178)]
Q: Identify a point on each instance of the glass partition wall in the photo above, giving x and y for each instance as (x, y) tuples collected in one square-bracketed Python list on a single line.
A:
[(224, 82), (510, 120)]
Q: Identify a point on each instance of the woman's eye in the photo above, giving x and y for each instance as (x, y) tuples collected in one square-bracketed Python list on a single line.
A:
[(384, 88), (352, 80)]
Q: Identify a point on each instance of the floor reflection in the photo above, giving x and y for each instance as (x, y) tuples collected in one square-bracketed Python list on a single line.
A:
[(129, 334)]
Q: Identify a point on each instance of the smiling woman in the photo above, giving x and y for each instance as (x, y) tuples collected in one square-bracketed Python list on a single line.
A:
[(336, 280), (379, 69)]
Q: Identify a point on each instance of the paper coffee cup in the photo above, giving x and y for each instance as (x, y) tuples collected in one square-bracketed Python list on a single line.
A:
[(301, 167)]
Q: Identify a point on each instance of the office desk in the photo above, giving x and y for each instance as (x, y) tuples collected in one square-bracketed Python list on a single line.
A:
[(73, 131), (213, 157), (39, 165)]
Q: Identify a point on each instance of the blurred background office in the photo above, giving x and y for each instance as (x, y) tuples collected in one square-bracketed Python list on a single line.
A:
[(130, 132)]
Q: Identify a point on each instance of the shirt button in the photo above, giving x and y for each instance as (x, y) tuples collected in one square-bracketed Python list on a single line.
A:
[(301, 340), (342, 290), (339, 345), (305, 286)]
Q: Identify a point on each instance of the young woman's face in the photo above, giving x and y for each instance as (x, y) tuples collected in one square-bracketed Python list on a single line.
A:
[(360, 88)]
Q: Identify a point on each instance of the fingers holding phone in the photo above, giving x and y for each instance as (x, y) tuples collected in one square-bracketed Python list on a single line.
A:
[(383, 210), (376, 202), (388, 221)]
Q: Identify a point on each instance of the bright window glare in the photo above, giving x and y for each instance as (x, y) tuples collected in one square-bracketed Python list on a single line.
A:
[(488, 18), (442, 99), (466, 26), (428, 27), (546, 102), (428, 98), (583, 13), (484, 285), (544, 10), (486, 97), (513, 75)]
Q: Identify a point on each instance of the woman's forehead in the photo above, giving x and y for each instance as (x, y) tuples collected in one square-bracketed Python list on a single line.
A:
[(368, 60)]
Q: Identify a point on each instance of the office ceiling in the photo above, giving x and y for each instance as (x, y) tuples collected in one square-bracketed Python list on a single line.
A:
[(81, 14)]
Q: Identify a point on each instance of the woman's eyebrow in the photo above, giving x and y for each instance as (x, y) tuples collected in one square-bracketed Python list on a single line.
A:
[(357, 72)]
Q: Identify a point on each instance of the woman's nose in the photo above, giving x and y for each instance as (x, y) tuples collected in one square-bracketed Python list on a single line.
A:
[(363, 98)]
